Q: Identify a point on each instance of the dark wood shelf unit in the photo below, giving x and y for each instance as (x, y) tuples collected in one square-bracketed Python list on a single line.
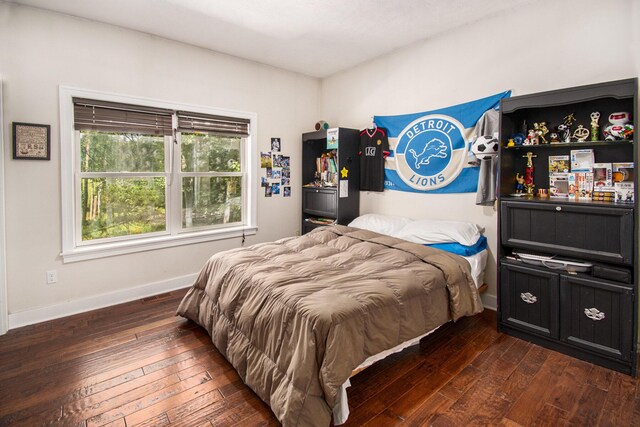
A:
[(328, 202), (591, 315)]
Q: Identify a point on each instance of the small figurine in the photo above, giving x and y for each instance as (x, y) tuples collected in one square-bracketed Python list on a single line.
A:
[(581, 133), (541, 130), (518, 138), (595, 116), (532, 138), (519, 183), (511, 143), (564, 133), (618, 127), (553, 136)]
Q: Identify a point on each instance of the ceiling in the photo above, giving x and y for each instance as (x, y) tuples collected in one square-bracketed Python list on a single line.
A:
[(313, 37)]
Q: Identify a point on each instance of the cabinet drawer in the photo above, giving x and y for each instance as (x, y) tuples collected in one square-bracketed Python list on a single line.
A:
[(529, 299), (320, 201), (583, 232), (307, 227), (597, 316)]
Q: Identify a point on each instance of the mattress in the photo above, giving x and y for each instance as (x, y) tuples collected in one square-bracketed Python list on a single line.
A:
[(478, 264)]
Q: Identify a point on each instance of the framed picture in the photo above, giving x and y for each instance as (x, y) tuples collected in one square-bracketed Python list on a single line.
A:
[(31, 141)]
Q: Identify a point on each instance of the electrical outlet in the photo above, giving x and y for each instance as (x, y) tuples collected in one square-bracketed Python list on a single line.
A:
[(297, 232), (52, 276)]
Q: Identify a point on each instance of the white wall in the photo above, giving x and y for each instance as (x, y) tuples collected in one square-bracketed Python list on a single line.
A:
[(543, 46), (41, 50), (546, 45)]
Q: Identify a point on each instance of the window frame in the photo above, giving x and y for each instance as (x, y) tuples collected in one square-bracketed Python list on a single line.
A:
[(74, 249), (177, 190)]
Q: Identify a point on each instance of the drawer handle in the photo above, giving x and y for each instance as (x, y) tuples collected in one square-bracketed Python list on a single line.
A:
[(594, 313), (528, 298)]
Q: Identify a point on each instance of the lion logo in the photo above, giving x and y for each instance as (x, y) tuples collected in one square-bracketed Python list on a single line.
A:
[(433, 148)]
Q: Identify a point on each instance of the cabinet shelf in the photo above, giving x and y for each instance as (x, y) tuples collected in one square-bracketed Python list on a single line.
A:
[(573, 145), (567, 200)]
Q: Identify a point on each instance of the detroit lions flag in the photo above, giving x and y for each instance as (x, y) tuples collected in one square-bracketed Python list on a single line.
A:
[(430, 151)]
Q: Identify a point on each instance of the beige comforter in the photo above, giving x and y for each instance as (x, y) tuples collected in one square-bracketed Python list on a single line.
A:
[(296, 316)]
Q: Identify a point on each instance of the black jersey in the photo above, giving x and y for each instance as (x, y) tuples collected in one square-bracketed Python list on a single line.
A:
[(374, 148)]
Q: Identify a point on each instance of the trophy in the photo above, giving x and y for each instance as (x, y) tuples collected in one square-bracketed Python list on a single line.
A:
[(541, 130), (528, 173), (564, 129), (581, 133), (595, 116)]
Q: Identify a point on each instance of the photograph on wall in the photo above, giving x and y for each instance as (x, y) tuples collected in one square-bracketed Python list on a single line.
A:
[(275, 144), (277, 170), (285, 162), (265, 160)]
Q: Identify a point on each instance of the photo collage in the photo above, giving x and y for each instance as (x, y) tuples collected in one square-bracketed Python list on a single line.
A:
[(276, 179)]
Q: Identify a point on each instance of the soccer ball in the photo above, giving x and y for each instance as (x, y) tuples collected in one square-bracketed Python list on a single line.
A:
[(485, 147)]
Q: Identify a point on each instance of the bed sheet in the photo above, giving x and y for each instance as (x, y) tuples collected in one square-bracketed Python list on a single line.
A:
[(478, 264)]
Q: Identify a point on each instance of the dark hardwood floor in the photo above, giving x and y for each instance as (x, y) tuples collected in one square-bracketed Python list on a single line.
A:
[(138, 364)]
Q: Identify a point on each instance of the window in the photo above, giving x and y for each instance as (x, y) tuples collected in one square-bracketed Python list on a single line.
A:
[(142, 175), (210, 170)]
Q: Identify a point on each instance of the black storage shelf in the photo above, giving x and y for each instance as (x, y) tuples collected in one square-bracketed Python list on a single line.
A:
[(591, 316), (327, 201)]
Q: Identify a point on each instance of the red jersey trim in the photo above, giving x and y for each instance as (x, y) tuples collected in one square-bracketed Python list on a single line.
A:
[(376, 131)]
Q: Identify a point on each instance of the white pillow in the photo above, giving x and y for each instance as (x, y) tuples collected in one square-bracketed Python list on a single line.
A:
[(429, 231), (383, 224)]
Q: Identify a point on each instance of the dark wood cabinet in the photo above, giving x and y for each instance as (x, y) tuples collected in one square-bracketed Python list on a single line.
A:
[(339, 202), (597, 316), (586, 232), (320, 201), (591, 315), (529, 299)]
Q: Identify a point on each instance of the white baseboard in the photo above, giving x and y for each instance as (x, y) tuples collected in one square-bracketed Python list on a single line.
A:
[(490, 301), (42, 314)]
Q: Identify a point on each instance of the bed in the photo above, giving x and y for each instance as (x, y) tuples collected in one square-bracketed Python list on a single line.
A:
[(297, 316)]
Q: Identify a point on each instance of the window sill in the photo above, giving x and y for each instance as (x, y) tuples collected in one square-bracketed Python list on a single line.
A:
[(140, 245)]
